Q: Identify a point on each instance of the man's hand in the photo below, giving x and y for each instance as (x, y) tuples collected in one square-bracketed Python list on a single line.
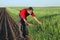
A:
[(37, 20), (40, 23), (31, 25)]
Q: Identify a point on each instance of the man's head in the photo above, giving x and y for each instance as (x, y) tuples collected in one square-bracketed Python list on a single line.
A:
[(30, 10)]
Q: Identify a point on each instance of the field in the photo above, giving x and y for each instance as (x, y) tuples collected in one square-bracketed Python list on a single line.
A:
[(49, 16)]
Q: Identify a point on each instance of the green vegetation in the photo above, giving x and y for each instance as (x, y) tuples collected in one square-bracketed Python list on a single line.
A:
[(49, 16)]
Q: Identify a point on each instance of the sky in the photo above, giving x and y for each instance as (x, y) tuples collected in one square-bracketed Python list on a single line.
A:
[(37, 3)]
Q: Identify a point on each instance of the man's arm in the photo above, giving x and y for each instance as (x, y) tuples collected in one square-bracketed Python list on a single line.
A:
[(37, 20), (27, 22)]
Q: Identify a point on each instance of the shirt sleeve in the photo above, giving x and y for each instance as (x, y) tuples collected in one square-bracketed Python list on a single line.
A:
[(22, 14), (32, 14)]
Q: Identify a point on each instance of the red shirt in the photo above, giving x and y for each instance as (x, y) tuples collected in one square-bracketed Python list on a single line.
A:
[(23, 13)]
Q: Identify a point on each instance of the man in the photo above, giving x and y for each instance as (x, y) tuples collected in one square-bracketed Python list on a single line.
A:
[(23, 14)]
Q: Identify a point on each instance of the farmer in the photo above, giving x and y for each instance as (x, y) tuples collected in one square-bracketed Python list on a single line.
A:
[(24, 13)]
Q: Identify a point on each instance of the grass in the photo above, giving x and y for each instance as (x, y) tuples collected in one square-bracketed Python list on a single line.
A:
[(49, 16)]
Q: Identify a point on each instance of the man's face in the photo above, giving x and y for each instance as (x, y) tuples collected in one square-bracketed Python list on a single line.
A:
[(30, 11)]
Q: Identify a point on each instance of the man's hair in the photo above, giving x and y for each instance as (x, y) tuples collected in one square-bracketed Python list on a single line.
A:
[(30, 8)]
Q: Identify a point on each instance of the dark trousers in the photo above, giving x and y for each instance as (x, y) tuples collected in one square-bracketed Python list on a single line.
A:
[(22, 26)]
